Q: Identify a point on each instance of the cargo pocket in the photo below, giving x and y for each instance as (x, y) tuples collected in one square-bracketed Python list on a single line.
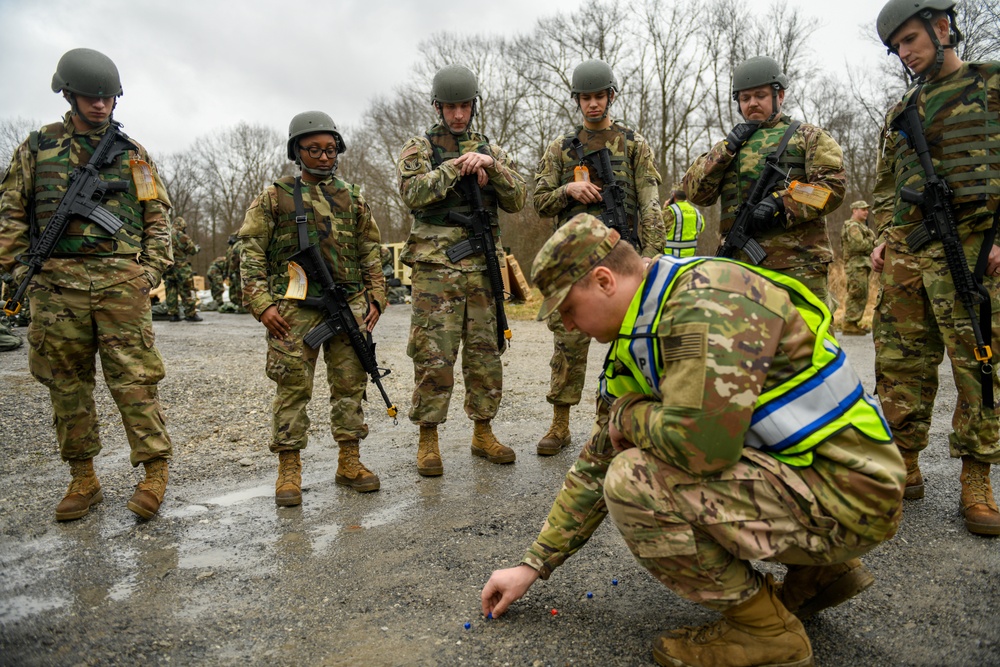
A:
[(285, 363), (38, 364), (664, 540)]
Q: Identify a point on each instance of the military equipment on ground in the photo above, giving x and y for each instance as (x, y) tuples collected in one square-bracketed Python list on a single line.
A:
[(480, 240), (939, 224), (83, 198), (612, 192), (339, 319)]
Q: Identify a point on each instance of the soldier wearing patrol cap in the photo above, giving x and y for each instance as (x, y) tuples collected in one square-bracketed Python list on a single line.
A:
[(857, 243), (336, 218), (920, 314), (564, 187), (453, 303), (92, 296), (729, 434), (789, 226)]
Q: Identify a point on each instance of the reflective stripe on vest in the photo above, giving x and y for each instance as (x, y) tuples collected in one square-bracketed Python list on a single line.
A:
[(688, 223), (789, 420)]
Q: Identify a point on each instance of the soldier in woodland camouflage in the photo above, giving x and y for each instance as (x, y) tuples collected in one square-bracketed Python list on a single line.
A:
[(179, 278), (92, 295), (729, 434), (235, 304), (918, 315), (453, 303), (792, 233), (339, 221), (857, 242), (559, 194), (216, 277)]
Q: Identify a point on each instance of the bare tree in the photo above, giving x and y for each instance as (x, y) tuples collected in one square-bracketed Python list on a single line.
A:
[(13, 132)]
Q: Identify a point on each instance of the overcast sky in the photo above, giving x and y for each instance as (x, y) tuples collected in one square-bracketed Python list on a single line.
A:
[(191, 67)]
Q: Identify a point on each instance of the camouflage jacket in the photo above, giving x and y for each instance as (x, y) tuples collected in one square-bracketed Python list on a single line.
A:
[(268, 236), (82, 271), (858, 241), (422, 185), (752, 338), (184, 246), (812, 156), (554, 172), (962, 128)]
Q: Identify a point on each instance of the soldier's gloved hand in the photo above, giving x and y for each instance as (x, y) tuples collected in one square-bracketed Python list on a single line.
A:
[(769, 214), (739, 135)]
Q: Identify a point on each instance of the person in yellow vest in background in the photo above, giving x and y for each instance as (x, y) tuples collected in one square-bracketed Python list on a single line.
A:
[(683, 224)]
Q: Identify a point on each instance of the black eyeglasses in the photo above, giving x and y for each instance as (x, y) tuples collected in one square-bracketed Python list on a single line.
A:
[(315, 151)]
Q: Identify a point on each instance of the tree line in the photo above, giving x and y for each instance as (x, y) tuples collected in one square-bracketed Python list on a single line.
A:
[(673, 61)]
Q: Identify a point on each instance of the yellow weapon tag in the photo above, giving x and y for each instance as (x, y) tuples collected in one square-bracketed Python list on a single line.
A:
[(142, 176), (810, 195), (298, 283)]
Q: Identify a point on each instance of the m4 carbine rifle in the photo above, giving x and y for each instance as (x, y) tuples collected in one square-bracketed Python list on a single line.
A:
[(83, 198), (339, 319), (480, 240), (939, 224), (612, 192)]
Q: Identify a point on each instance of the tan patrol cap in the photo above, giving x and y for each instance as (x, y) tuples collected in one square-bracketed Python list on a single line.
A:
[(861, 203), (569, 255)]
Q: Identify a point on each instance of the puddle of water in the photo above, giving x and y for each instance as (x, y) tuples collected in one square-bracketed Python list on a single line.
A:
[(123, 589), (240, 496), (323, 537), (211, 558), (22, 606), (184, 511), (386, 515)]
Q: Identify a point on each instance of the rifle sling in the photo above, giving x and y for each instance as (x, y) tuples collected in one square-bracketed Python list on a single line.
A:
[(301, 221)]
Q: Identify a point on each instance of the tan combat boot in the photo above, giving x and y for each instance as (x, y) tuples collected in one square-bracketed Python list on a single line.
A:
[(854, 329), (978, 506), (352, 472), (288, 487), (914, 480), (149, 492), (558, 435), (808, 589), (428, 455), (84, 490), (485, 444), (758, 631)]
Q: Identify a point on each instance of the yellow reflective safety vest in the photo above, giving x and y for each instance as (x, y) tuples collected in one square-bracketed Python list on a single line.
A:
[(789, 420), (682, 238)]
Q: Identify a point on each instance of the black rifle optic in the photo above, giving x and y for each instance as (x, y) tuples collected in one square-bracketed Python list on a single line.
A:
[(339, 319), (739, 236), (480, 240), (612, 192), (83, 198), (939, 224)]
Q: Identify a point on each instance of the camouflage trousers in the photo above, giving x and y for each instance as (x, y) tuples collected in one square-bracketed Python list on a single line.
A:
[(917, 319), (235, 290), (179, 283), (857, 274), (698, 533), (813, 276), (452, 308), (568, 365), (68, 328), (292, 365), (216, 281)]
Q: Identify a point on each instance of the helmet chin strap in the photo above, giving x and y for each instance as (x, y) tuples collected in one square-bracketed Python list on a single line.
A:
[(607, 109), (76, 111), (956, 36), (472, 115), (321, 173), (775, 110)]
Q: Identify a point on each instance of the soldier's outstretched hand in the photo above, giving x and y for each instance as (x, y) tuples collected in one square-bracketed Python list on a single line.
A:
[(505, 587)]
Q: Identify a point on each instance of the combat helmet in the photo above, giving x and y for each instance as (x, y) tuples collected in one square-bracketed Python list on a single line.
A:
[(592, 76), (87, 72), (758, 71), (312, 122), (897, 12), (454, 84)]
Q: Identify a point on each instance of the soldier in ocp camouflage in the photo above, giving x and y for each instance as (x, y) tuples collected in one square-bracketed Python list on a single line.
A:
[(178, 279), (339, 221), (92, 295), (453, 304), (702, 460), (793, 234), (857, 243), (918, 315), (216, 277), (558, 195)]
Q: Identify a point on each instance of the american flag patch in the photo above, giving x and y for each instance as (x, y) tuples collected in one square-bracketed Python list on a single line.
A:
[(683, 346)]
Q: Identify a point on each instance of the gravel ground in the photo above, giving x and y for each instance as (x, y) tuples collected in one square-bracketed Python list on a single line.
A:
[(223, 577)]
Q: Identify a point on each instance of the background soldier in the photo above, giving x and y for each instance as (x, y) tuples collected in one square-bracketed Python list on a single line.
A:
[(340, 223), (452, 301), (919, 314), (235, 304), (179, 278), (682, 225), (791, 232), (559, 195), (216, 278), (92, 295), (395, 291), (696, 478), (857, 241)]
